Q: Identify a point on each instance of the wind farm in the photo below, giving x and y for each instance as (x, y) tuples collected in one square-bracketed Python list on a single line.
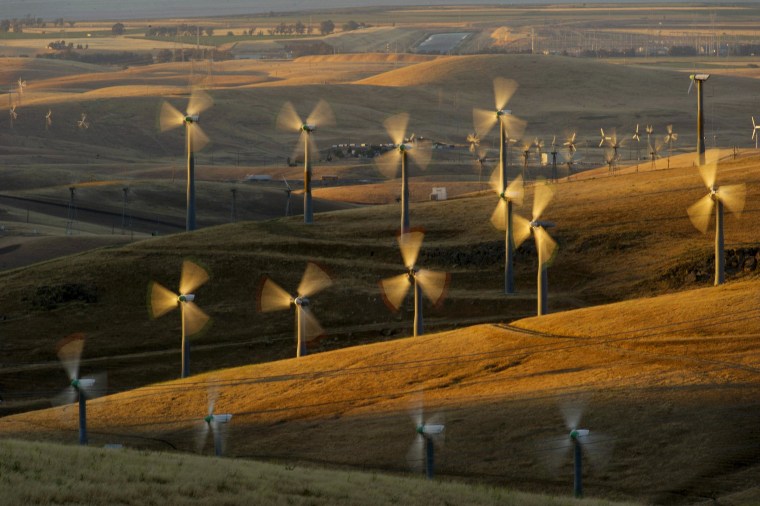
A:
[(563, 332)]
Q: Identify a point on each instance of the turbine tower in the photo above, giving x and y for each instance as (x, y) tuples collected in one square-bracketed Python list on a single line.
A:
[(755, 128), (732, 196), (700, 79), (171, 118), (502, 219), (289, 120), (428, 433), (213, 423)]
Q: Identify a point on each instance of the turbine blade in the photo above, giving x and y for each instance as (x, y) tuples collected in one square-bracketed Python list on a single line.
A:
[(542, 195), (733, 197), (288, 120), (546, 245), (312, 328), (499, 216), (520, 229), (503, 89), (495, 180), (193, 276), (394, 290), (388, 163), (169, 117), (516, 191), (199, 102), (201, 435), (417, 408), (160, 300), (195, 319), (67, 396), (434, 284), (322, 115), (421, 153), (272, 297), (572, 412), (483, 121), (709, 172), (598, 447), (212, 394), (415, 457), (514, 126), (314, 280), (396, 127), (700, 213), (69, 351), (200, 139), (410, 244)]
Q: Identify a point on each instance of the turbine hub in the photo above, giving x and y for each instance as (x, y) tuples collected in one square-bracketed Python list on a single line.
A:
[(186, 297), (301, 301), (503, 112), (209, 419), (308, 128), (192, 118), (714, 192), (576, 433)]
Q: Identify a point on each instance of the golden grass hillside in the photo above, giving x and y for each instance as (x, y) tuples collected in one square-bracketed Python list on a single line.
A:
[(53, 474), (670, 385)]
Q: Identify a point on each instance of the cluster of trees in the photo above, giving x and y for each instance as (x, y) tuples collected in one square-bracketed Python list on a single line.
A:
[(186, 54), (60, 45), (124, 58), (182, 30), (352, 25), (297, 28), (17, 25)]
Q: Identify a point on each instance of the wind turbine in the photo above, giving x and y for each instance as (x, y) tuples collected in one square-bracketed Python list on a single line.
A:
[(510, 126), (604, 138), (539, 145), (755, 128), (289, 120), (428, 433), (21, 85), (389, 161), (196, 139), (432, 284), (502, 219), (273, 298), (732, 196), (609, 159), (670, 138), (163, 300), (554, 153), (700, 79), (14, 115), (83, 123), (570, 143), (214, 423), (637, 137), (654, 151), (545, 245), (49, 119), (288, 191), (81, 389), (596, 445)]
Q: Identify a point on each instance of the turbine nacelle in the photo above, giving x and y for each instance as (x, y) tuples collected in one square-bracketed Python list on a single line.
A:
[(79, 384), (578, 433), (308, 128), (191, 118), (430, 429), (541, 224), (301, 301), (186, 297), (225, 418), (503, 112)]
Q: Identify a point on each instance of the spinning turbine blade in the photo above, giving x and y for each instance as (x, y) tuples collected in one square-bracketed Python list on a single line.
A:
[(700, 213), (195, 318), (67, 396), (314, 280), (201, 435), (410, 244), (420, 155), (272, 297), (709, 172), (514, 126), (322, 115), (312, 328), (503, 89), (516, 190), (200, 139), (483, 121), (388, 163), (434, 284), (70, 352), (161, 299), (288, 119), (416, 409), (396, 127), (394, 290), (733, 197), (542, 195), (572, 413), (98, 387), (415, 457), (495, 180), (170, 117), (546, 245), (521, 229), (193, 276), (498, 218), (199, 102)]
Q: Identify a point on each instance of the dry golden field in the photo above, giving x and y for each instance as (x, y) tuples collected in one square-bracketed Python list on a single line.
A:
[(664, 365)]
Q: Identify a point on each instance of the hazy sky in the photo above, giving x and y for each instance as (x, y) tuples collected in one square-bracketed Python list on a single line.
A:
[(135, 9)]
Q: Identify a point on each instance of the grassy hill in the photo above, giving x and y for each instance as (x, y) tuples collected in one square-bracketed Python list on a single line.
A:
[(668, 385)]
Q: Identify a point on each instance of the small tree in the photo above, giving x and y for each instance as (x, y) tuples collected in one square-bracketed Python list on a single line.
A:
[(209, 32), (350, 26), (118, 29), (326, 27)]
